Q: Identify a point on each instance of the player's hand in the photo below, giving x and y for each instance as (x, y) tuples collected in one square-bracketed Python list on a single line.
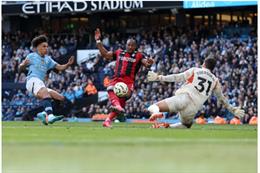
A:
[(97, 34), (71, 60), (150, 61), (239, 113), (152, 76), (26, 62)]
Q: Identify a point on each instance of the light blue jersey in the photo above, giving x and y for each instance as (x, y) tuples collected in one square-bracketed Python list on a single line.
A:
[(39, 66)]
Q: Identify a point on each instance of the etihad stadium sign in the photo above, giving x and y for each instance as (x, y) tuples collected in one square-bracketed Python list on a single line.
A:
[(78, 6)]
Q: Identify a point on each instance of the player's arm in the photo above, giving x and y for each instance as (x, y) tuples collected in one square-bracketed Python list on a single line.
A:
[(23, 64), (179, 77), (65, 66), (104, 53), (147, 62), (223, 100)]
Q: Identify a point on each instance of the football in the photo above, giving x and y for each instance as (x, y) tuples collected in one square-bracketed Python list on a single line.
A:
[(120, 89)]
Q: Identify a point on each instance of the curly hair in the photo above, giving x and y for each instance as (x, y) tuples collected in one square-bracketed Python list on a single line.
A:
[(38, 40)]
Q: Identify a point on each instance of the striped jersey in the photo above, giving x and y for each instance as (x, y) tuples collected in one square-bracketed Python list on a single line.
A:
[(127, 65)]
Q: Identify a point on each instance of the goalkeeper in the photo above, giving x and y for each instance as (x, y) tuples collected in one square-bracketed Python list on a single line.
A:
[(200, 83)]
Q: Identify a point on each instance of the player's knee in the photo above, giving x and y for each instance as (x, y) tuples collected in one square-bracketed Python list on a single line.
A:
[(43, 93), (188, 125), (163, 106), (187, 122), (153, 108)]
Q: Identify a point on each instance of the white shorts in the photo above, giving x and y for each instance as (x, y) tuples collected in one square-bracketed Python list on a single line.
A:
[(184, 105), (34, 84)]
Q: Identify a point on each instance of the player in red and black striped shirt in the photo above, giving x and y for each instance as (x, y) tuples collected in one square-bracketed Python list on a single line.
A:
[(128, 63)]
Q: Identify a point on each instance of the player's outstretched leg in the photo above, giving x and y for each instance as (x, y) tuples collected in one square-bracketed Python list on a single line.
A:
[(49, 119), (45, 97), (161, 125), (116, 108), (116, 105), (178, 126), (54, 118), (109, 119), (157, 109), (186, 121), (156, 116), (107, 123), (175, 125), (43, 117)]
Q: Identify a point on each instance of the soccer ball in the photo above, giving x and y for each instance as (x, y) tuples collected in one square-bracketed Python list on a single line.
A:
[(120, 89)]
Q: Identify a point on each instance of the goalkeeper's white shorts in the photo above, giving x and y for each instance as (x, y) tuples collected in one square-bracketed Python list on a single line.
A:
[(183, 104)]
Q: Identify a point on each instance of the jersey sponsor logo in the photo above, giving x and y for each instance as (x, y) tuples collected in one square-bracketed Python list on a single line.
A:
[(124, 58)]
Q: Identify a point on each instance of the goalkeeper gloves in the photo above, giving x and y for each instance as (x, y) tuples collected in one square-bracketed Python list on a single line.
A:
[(152, 76), (239, 113)]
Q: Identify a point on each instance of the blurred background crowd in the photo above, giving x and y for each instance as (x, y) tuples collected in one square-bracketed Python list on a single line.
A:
[(174, 49)]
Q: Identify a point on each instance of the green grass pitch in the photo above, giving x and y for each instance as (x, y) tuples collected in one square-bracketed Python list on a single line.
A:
[(29, 147)]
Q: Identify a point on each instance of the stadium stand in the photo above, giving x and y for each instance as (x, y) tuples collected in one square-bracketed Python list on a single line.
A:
[(174, 48)]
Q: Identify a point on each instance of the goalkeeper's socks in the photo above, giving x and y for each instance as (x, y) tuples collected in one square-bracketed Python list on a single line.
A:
[(154, 109), (178, 126)]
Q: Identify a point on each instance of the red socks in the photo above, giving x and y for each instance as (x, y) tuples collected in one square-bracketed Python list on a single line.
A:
[(112, 115)]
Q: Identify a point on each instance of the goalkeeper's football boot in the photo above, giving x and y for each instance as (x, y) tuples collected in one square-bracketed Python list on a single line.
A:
[(155, 116), (117, 109), (107, 123), (52, 119), (43, 117), (160, 125)]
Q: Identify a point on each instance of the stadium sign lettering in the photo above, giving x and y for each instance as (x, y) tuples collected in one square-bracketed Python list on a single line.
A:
[(79, 6), (202, 4)]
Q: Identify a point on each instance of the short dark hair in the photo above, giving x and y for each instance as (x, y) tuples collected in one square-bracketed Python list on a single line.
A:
[(132, 40), (38, 40), (210, 63)]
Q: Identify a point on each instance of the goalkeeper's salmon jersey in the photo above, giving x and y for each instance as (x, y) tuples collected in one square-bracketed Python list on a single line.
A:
[(200, 83)]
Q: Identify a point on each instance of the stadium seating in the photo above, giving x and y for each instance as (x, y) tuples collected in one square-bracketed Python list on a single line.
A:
[(174, 50)]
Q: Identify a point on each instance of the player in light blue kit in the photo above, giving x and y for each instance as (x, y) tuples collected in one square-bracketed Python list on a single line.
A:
[(38, 64)]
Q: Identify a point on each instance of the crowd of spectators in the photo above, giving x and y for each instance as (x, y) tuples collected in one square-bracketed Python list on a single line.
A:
[(174, 50)]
